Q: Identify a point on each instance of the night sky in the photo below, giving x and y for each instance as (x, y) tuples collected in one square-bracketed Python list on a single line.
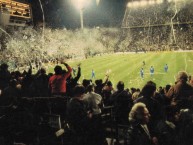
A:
[(62, 13)]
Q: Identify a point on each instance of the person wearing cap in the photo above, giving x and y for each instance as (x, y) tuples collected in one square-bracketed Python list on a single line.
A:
[(182, 89)]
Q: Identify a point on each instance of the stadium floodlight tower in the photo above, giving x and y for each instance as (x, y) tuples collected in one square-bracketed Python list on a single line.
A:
[(80, 5)]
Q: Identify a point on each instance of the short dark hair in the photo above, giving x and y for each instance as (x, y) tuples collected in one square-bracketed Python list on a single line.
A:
[(120, 85), (90, 88), (79, 90), (58, 70), (149, 89)]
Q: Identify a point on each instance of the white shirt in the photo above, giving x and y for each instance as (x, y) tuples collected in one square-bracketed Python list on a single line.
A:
[(93, 99)]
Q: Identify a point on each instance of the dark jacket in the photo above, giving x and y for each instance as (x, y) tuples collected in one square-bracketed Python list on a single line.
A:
[(136, 135), (166, 132), (77, 116), (122, 102)]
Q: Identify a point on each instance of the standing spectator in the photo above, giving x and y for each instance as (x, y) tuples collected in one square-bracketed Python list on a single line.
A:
[(181, 90), (41, 84), (79, 117), (122, 102), (93, 100), (72, 82), (107, 92), (57, 82), (4, 76), (94, 103), (99, 85)]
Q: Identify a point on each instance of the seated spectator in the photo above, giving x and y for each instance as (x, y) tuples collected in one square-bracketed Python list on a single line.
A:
[(122, 102), (166, 128), (138, 132), (181, 90), (185, 128)]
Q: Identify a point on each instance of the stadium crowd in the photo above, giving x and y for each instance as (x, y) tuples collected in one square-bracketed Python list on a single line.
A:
[(150, 116)]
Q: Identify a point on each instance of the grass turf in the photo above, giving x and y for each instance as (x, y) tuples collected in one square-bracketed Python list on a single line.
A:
[(126, 67)]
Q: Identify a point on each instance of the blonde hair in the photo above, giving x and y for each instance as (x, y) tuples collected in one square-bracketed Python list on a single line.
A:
[(136, 111)]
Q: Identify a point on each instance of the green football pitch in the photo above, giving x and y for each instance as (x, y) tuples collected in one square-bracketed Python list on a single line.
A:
[(126, 67)]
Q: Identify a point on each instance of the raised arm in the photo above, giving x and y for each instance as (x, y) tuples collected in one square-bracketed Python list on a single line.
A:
[(69, 70)]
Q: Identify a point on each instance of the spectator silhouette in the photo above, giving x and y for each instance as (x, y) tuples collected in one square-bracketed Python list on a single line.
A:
[(122, 101), (4, 76), (181, 90), (72, 82), (79, 117), (138, 132), (57, 82), (107, 92), (148, 92)]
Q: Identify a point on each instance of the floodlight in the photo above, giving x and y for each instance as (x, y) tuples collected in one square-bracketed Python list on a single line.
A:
[(80, 4)]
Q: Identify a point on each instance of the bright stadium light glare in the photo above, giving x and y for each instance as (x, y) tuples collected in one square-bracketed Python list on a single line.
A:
[(129, 4), (80, 4)]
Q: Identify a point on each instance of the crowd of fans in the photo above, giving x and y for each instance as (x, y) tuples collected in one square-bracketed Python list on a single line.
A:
[(152, 116)]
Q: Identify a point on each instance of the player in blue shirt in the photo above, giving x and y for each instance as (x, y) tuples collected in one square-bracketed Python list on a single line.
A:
[(151, 70), (166, 68), (142, 73), (92, 74)]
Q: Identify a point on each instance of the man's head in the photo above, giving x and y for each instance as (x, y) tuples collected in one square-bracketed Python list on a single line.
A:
[(149, 89), (139, 113), (4, 66), (182, 76), (90, 88), (79, 91), (58, 70), (120, 85)]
